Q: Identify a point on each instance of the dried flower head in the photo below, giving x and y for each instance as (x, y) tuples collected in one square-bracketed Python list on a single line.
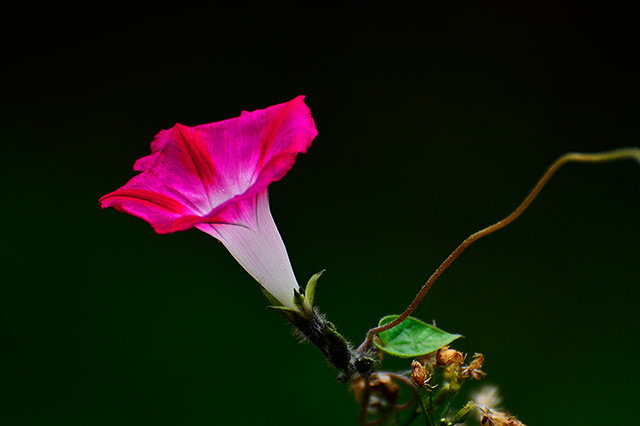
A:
[(382, 387), (473, 370), (446, 356), (492, 417), (386, 386), (487, 397), (418, 373)]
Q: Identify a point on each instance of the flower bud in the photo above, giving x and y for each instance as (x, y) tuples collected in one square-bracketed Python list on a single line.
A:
[(418, 374), (447, 356), (463, 413), (387, 387), (382, 389), (474, 368)]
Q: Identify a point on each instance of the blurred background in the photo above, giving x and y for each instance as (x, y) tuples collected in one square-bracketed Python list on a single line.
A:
[(433, 123)]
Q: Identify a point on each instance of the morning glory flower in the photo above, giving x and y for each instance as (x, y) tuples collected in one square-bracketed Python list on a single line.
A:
[(215, 177)]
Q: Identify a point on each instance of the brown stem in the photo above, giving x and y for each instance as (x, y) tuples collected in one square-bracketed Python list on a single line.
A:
[(407, 381), (632, 153), (362, 413)]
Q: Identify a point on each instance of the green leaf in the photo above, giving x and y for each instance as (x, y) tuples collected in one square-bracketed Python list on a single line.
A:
[(310, 289), (412, 338)]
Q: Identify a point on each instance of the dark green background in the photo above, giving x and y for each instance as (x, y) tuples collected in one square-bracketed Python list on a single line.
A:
[(432, 123)]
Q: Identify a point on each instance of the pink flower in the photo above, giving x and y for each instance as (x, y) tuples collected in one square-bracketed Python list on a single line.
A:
[(214, 177)]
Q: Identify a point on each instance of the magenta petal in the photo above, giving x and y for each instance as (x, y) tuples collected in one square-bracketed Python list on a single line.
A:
[(215, 176), (161, 211), (205, 166), (242, 148)]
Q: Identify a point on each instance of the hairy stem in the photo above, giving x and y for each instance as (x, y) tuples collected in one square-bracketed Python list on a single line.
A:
[(631, 153)]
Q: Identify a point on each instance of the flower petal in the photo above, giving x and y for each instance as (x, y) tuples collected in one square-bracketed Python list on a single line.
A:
[(164, 213), (248, 231), (204, 169), (257, 148)]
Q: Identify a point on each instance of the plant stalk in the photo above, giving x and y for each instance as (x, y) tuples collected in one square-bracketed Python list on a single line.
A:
[(631, 153)]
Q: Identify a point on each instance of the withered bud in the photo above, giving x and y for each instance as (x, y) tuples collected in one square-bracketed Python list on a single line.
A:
[(381, 386), (418, 373), (478, 360), (385, 385), (447, 356), (496, 418), (358, 386), (474, 368)]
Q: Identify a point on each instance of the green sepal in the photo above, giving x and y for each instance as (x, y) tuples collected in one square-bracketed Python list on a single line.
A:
[(298, 299), (463, 413), (310, 289), (459, 417), (270, 297), (277, 306), (412, 338), (284, 309)]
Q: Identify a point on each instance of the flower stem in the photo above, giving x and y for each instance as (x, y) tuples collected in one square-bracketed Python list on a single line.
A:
[(427, 414), (631, 153), (447, 406), (433, 420)]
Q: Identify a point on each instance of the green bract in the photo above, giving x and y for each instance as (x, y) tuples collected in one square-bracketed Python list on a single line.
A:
[(412, 338)]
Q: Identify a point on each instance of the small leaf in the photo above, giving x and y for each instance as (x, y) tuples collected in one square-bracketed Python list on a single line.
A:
[(310, 289), (412, 338), (284, 309)]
